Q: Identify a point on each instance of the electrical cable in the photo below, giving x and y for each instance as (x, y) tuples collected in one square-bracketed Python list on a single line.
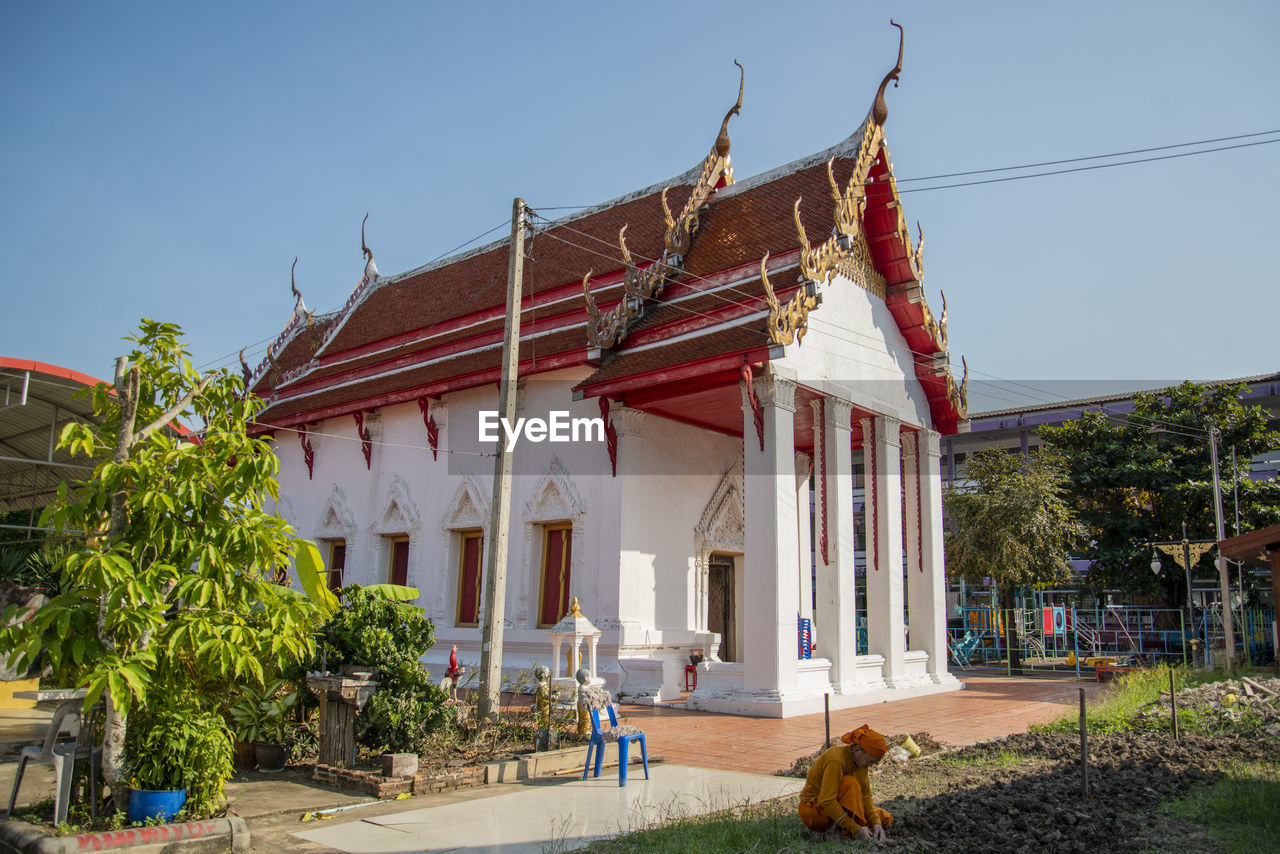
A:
[(1089, 157), (257, 347), (874, 187), (1053, 398)]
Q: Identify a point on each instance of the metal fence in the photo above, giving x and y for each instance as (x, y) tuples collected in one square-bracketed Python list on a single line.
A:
[(1066, 638)]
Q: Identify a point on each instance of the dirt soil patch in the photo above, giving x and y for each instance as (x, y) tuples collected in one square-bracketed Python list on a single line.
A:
[(1023, 792)]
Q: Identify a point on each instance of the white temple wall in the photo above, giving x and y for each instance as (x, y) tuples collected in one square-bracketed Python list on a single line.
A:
[(854, 350), (633, 543)]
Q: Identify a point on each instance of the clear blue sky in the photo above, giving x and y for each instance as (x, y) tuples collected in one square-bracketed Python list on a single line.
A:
[(170, 160)]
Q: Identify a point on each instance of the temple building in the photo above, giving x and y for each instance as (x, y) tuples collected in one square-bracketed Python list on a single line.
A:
[(739, 355)]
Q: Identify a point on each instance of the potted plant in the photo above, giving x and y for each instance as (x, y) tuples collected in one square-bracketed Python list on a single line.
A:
[(179, 754), (259, 719)]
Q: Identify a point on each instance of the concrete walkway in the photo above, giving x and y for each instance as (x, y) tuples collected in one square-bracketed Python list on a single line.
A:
[(556, 815)]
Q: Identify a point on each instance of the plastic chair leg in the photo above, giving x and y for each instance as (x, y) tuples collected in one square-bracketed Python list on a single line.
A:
[(63, 772), (599, 758), (644, 756), (92, 784), (623, 746), (17, 782), (586, 769)]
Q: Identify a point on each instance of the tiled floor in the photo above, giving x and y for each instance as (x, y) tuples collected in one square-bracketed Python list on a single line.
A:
[(989, 706)]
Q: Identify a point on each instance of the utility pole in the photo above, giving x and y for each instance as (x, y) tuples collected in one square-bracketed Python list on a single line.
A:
[(495, 588), (1224, 580)]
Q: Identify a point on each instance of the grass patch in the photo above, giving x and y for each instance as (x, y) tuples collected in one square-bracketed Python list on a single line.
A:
[(1239, 810), (769, 826), (1116, 709)]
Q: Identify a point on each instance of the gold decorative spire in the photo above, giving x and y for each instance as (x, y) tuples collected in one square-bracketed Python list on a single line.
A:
[(722, 141), (879, 109), (716, 165), (608, 330), (574, 610)]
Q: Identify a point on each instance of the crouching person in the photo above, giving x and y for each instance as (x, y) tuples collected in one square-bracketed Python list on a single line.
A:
[(837, 792)]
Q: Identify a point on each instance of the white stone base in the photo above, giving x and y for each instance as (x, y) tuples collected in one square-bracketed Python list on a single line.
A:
[(720, 688)]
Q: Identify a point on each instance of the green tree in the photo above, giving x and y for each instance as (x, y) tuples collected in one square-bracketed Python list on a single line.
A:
[(170, 592), (1008, 521), (1136, 480)]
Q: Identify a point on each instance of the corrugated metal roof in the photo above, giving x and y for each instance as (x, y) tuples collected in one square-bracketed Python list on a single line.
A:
[(36, 401)]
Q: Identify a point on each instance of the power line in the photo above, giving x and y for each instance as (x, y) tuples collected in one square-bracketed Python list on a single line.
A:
[(1053, 398), (873, 187), (1083, 168), (1089, 157), (258, 346)]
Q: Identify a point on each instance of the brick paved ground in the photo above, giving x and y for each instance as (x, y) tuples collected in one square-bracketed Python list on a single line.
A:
[(989, 706)]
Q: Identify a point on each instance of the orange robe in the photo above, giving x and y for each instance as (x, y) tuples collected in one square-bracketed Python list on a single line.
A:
[(838, 791)]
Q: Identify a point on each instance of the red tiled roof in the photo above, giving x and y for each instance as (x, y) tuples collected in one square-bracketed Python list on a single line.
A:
[(439, 328)]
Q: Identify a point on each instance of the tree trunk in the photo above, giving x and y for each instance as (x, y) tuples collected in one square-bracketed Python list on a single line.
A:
[(1008, 605), (116, 723)]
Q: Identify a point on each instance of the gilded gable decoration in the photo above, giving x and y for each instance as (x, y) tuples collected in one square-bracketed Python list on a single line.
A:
[(789, 322), (608, 330), (850, 257), (917, 257), (959, 395), (638, 285), (680, 230)]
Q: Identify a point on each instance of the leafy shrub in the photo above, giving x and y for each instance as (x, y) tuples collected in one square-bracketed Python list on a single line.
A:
[(390, 637), (181, 745), (259, 714)]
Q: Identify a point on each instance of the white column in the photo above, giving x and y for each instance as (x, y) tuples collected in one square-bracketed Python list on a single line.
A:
[(804, 539), (929, 597), (770, 597), (911, 526), (837, 593), (627, 594), (885, 633)]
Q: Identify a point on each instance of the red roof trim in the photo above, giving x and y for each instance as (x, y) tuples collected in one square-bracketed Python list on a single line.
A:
[(477, 318), (476, 378), (753, 356), (430, 354)]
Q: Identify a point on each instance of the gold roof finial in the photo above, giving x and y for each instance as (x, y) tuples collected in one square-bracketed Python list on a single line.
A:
[(879, 109), (722, 141), (574, 610)]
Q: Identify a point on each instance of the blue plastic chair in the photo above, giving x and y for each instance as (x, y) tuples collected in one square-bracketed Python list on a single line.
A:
[(615, 733)]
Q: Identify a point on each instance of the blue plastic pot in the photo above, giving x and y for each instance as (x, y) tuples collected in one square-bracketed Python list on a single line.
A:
[(147, 804)]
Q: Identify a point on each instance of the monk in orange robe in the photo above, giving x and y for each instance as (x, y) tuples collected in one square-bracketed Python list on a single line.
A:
[(837, 792)]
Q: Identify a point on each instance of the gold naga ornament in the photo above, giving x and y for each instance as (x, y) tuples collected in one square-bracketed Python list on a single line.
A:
[(637, 286), (791, 321), (608, 330)]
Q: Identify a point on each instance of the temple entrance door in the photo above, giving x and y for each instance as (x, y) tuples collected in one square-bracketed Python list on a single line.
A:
[(721, 606)]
